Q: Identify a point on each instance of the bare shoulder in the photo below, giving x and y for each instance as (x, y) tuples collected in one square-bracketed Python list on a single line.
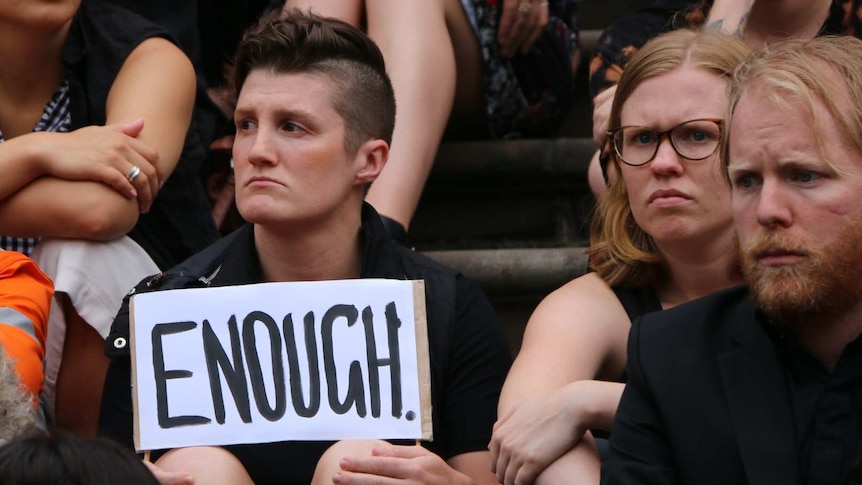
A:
[(585, 302), (156, 61), (158, 48), (582, 327)]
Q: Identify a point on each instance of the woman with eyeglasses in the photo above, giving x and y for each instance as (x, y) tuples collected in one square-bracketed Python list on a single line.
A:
[(662, 235)]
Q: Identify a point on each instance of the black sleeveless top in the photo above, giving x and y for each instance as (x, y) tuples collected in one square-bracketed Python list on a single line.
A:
[(102, 36), (637, 300)]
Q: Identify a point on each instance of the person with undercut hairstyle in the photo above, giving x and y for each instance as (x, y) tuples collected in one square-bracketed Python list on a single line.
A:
[(314, 118)]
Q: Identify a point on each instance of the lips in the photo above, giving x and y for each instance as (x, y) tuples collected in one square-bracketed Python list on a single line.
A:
[(780, 257), (667, 194), (262, 180)]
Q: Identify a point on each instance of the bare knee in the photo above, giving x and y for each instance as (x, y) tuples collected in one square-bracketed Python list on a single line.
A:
[(206, 464), (328, 466)]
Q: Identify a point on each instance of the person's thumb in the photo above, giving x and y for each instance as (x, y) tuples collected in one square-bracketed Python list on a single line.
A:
[(131, 128)]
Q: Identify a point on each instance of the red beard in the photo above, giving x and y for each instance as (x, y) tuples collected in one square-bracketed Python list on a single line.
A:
[(827, 282)]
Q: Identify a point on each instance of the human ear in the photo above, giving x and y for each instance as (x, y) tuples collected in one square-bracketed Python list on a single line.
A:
[(370, 160)]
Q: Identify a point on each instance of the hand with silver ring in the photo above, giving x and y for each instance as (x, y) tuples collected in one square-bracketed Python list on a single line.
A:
[(134, 173), (521, 23), (110, 154)]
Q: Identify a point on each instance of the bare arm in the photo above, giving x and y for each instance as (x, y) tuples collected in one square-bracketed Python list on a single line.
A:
[(76, 185), (729, 16), (475, 466), (549, 399)]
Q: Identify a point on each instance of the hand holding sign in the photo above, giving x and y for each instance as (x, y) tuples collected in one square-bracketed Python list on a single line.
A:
[(217, 366), (410, 464)]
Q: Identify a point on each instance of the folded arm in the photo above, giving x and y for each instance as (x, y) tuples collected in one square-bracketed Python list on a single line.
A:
[(74, 184), (550, 397)]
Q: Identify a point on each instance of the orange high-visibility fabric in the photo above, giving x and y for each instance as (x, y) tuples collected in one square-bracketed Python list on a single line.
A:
[(24, 292)]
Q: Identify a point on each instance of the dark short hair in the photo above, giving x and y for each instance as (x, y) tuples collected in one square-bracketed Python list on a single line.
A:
[(303, 42), (64, 459)]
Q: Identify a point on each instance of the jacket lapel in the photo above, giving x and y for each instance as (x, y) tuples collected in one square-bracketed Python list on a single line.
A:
[(757, 396)]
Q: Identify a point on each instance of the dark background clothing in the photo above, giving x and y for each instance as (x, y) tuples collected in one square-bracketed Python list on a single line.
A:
[(711, 400), (468, 352), (827, 409), (638, 300), (624, 37), (101, 38)]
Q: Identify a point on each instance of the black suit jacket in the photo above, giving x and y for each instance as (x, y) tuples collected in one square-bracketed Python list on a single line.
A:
[(706, 401)]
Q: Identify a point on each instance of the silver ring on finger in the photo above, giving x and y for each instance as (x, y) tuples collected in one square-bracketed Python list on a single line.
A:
[(134, 173)]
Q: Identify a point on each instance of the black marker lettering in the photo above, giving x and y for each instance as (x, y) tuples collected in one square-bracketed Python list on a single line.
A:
[(256, 373), (293, 367), (161, 376), (355, 387), (375, 362), (234, 372)]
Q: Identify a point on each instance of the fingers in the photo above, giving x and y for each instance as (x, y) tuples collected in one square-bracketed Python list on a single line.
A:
[(169, 478), (521, 23), (131, 128), (347, 478), (146, 185), (396, 451), (543, 16), (145, 158), (383, 466), (501, 465), (507, 20)]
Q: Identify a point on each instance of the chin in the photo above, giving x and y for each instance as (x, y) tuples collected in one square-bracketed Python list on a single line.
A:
[(259, 211)]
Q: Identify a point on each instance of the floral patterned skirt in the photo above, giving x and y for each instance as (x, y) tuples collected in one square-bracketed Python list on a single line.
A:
[(529, 94)]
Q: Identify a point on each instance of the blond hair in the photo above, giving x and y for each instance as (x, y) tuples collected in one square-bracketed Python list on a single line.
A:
[(826, 69), (620, 251)]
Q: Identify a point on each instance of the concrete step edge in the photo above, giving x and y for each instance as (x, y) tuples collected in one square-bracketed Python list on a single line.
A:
[(564, 155), (516, 271)]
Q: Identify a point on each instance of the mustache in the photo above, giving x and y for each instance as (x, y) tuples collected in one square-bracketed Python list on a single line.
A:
[(772, 243)]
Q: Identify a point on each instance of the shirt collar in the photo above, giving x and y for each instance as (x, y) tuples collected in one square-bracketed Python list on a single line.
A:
[(240, 264)]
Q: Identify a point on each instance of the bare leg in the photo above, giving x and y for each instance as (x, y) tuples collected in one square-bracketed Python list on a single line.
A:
[(433, 58), (328, 466), (81, 375), (349, 11), (417, 39), (210, 465)]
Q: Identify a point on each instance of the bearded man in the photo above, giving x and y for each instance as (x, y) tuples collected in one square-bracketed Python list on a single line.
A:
[(763, 384)]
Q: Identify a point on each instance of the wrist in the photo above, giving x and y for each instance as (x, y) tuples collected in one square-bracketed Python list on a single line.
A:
[(27, 150), (588, 410)]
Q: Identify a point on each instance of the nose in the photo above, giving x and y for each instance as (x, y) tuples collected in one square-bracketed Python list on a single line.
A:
[(773, 208), (261, 149), (666, 161)]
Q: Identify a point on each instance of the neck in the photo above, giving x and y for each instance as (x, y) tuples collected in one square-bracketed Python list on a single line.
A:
[(771, 21), (695, 270), (825, 337), (32, 63), (311, 252)]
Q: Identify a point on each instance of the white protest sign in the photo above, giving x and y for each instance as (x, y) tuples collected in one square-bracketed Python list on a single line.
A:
[(322, 360)]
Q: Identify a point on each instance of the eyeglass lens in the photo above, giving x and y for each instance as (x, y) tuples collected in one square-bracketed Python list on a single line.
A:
[(695, 140)]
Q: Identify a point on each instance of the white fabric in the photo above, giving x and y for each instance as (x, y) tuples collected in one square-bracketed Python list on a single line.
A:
[(95, 276)]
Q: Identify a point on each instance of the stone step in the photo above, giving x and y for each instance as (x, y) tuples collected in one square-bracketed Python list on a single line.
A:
[(506, 194), (516, 280), (504, 272), (545, 157)]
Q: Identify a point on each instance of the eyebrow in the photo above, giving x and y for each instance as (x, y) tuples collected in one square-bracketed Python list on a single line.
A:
[(280, 113)]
